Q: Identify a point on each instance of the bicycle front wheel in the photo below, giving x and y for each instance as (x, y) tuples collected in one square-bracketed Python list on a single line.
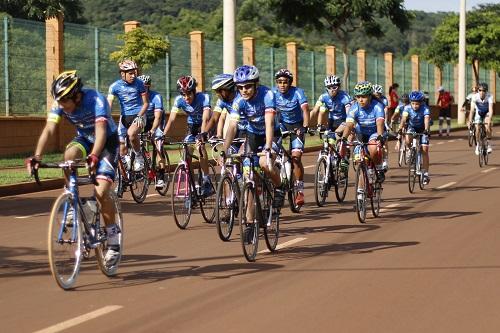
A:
[(208, 203), (139, 182), (376, 199), (361, 192), (181, 197), (271, 219), (292, 194), (65, 241), (401, 153), (167, 177), (100, 251), (321, 182), (412, 171), (226, 206), (342, 180), (249, 225)]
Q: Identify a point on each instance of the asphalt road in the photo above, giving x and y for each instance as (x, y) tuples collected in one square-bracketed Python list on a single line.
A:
[(429, 263)]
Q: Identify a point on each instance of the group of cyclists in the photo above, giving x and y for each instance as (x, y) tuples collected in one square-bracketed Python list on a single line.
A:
[(244, 109)]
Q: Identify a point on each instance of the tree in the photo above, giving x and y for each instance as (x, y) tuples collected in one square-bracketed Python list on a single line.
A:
[(142, 47), (343, 17), (42, 9), (482, 39)]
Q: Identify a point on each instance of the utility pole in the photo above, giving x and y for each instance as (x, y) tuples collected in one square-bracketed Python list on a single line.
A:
[(461, 64), (229, 36)]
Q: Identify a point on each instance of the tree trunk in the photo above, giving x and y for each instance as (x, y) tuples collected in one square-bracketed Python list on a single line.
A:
[(345, 78), (476, 71)]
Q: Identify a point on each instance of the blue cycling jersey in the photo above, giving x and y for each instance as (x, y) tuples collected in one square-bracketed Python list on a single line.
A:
[(416, 118), (366, 118), (93, 108), (155, 103), (382, 99), (253, 111), (482, 105), (194, 110), (289, 105), (336, 106), (129, 95)]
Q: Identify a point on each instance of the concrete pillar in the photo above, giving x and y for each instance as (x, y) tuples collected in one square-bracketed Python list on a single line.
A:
[(493, 85), (455, 84), (198, 58), (415, 72), (131, 25), (291, 61), (361, 61), (248, 50), (389, 66), (331, 60), (229, 35), (438, 82), (54, 52)]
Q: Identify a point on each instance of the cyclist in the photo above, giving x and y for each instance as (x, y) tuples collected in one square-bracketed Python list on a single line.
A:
[(398, 114), (293, 114), (224, 88), (96, 141), (416, 119), (467, 103), (482, 102), (256, 106), (368, 114), (197, 106), (133, 99), (378, 92), (155, 123), (444, 101)]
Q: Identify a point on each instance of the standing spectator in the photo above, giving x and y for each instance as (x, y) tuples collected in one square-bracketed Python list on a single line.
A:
[(393, 100), (444, 102)]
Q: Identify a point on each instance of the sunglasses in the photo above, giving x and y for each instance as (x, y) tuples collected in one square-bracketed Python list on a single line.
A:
[(481, 90), (332, 88), (281, 81), (186, 94), (244, 86)]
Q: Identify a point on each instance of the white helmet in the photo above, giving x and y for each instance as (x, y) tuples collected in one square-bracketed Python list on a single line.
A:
[(378, 89), (332, 80)]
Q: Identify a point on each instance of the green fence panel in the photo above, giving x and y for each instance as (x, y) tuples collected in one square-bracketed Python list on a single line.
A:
[(79, 52), (306, 72), (213, 61), (27, 67), (180, 62), (319, 77), (3, 108), (373, 70), (353, 71), (447, 78), (108, 70), (265, 63), (280, 60)]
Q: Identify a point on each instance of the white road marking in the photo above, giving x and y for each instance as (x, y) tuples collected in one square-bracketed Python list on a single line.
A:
[(488, 170), (80, 319), (451, 141), (440, 143), (445, 185), (460, 139), (29, 216), (285, 244), (152, 195), (309, 166)]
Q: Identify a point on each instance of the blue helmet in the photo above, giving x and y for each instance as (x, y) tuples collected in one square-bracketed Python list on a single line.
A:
[(223, 81), (246, 73), (416, 96)]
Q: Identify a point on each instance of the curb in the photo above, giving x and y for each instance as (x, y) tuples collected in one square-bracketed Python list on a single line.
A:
[(52, 184)]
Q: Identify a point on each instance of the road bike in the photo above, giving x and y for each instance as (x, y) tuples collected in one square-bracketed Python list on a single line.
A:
[(482, 145), (187, 182), (402, 150), (331, 170), (416, 163), (472, 135), (155, 172), (367, 183), (75, 228)]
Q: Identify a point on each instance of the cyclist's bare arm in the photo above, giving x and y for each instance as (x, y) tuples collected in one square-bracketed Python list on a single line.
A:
[(403, 122), (427, 123), (110, 101), (347, 130), (220, 124), (231, 133), (269, 119), (156, 121), (472, 111), (48, 131), (171, 119), (145, 104), (305, 114), (208, 122), (380, 126), (313, 113), (100, 138)]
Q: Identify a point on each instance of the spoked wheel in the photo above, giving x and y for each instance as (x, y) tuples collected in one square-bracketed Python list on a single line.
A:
[(271, 220), (402, 153), (120, 185), (292, 194), (481, 153), (361, 193), (65, 243), (167, 177), (208, 203), (412, 172), (321, 182), (139, 182), (226, 207), (249, 225), (342, 179), (100, 251), (376, 198), (472, 138), (181, 197), (421, 174)]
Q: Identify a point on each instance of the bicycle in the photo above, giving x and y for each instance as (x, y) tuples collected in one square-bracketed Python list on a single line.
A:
[(472, 135), (367, 183), (285, 164), (154, 171), (256, 204), (138, 181), (228, 190), (402, 151), (331, 170), (75, 228), (186, 188), (482, 145), (416, 163)]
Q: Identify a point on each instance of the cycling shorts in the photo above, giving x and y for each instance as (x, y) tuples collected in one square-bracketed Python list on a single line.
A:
[(125, 122), (424, 139)]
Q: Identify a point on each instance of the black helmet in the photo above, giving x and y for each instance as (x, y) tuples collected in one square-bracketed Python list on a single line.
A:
[(483, 86), (66, 85)]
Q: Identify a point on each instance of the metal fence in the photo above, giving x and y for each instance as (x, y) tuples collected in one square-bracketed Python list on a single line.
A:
[(87, 49)]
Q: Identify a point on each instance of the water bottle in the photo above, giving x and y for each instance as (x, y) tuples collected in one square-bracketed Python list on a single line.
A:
[(288, 169)]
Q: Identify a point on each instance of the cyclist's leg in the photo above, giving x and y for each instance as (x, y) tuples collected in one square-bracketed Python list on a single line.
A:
[(78, 148), (448, 120), (424, 142)]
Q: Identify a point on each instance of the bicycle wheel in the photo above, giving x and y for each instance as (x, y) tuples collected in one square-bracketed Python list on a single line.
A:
[(100, 251), (119, 181), (139, 182), (249, 225), (376, 198), (208, 203), (292, 194), (412, 172), (271, 218), (181, 197), (167, 176), (401, 153), (472, 138), (361, 192), (421, 175), (65, 241), (226, 207), (321, 182), (342, 180)]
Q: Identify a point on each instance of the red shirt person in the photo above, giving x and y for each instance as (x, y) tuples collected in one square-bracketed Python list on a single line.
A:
[(444, 101)]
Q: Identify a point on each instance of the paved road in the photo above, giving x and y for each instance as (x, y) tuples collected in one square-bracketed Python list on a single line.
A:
[(429, 264)]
